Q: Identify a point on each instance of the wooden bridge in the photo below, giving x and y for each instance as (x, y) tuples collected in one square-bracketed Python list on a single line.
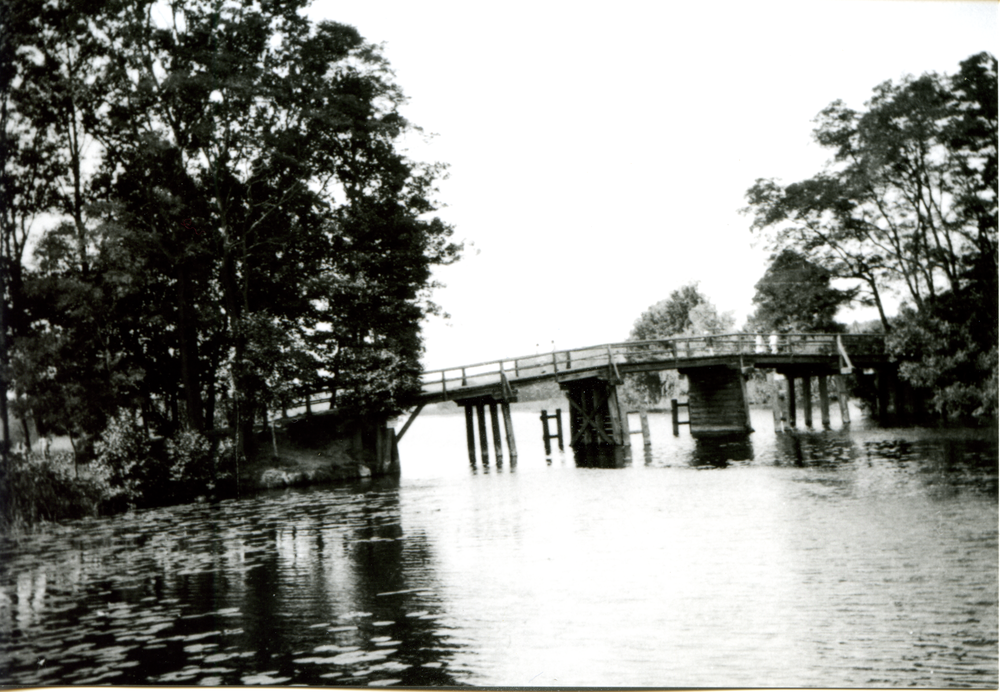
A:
[(716, 367)]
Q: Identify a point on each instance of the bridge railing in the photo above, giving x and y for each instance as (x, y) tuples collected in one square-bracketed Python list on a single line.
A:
[(445, 380)]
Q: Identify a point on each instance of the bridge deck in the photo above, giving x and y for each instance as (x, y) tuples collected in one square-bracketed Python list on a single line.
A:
[(790, 350)]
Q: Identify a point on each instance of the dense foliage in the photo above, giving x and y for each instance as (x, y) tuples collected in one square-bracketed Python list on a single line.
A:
[(228, 223), (686, 312), (908, 205), (795, 295)]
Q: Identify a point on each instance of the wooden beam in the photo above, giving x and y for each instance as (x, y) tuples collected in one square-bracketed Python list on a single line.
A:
[(559, 428), (484, 451), (807, 401), (619, 432), (775, 401), (824, 401), (497, 444), (508, 426), (470, 435), (791, 400), (842, 400), (409, 421), (644, 424)]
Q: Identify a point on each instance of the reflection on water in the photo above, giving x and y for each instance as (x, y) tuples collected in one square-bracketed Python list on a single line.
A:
[(833, 558)]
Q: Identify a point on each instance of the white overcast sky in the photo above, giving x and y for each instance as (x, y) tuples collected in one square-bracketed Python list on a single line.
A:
[(599, 152)]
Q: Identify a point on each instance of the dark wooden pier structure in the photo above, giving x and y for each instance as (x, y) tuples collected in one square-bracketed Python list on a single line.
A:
[(715, 366)]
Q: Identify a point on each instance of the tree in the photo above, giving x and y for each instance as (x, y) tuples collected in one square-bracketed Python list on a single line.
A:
[(686, 312), (895, 208), (246, 230), (669, 317), (908, 203), (795, 295)]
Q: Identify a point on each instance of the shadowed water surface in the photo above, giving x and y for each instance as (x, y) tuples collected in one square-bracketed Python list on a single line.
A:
[(861, 558)]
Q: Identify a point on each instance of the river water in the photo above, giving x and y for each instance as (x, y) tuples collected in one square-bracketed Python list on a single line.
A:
[(837, 559)]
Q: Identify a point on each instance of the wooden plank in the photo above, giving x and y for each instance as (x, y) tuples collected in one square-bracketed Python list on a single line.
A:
[(409, 421)]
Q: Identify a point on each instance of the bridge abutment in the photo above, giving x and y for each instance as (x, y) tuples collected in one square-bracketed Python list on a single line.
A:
[(596, 417), (717, 401)]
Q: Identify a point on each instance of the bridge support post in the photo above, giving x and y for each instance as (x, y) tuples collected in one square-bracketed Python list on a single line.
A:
[(484, 451), (807, 401), (596, 416), (470, 434), (845, 411), (644, 426), (559, 436), (824, 401), (497, 444), (791, 400), (478, 404), (776, 401)]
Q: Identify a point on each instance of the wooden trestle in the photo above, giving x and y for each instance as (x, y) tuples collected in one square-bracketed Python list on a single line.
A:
[(491, 397), (595, 415)]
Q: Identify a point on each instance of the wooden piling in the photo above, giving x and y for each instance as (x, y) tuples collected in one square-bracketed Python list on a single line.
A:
[(807, 401), (470, 436), (845, 411), (497, 443), (674, 419), (508, 426), (545, 432), (644, 422), (776, 401), (559, 432), (484, 451), (824, 401), (791, 400)]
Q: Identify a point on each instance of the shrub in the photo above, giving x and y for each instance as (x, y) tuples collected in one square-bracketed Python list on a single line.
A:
[(126, 459), (194, 465), (34, 489)]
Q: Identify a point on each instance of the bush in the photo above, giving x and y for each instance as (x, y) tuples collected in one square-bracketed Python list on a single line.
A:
[(126, 459), (194, 466), (34, 489)]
